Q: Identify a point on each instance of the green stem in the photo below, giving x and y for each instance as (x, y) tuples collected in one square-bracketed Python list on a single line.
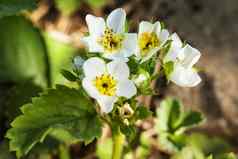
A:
[(64, 152), (118, 142)]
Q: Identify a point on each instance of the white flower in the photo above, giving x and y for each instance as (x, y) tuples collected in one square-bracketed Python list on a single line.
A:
[(184, 58), (106, 82), (150, 39), (109, 37)]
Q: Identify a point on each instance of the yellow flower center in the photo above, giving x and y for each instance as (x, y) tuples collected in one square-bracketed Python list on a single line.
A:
[(147, 41), (110, 41), (105, 84)]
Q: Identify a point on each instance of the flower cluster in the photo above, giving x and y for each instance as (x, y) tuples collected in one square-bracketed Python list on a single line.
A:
[(122, 62)]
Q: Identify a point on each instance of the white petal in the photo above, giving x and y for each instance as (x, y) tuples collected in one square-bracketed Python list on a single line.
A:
[(116, 20), (96, 25), (115, 56), (106, 103), (172, 54), (90, 88), (175, 48), (92, 44), (150, 54), (191, 56), (118, 69), (145, 26), (157, 28), (94, 67), (163, 36), (127, 50), (126, 88), (176, 40), (185, 77), (129, 44)]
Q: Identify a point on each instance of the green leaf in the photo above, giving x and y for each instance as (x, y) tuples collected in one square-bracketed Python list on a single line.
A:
[(133, 65), (68, 75), (96, 3), (166, 144), (23, 52), (189, 153), (18, 95), (208, 144), (142, 112), (60, 108), (129, 131), (210, 157), (168, 69), (228, 156), (68, 7), (12, 7), (168, 113), (149, 65), (142, 152), (163, 26), (5, 153), (171, 143), (172, 118), (60, 57), (189, 119)]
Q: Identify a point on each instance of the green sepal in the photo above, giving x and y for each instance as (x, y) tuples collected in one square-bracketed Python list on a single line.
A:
[(133, 65), (129, 131), (69, 75), (165, 49), (149, 65), (142, 112), (168, 69), (60, 108)]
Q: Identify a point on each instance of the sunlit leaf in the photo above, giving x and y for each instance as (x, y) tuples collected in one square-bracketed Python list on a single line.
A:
[(60, 56), (60, 108)]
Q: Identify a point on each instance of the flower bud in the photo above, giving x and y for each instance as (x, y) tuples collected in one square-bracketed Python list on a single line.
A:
[(78, 62), (126, 111)]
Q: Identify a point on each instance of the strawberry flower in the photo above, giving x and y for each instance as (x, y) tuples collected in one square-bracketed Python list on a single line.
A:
[(184, 58), (151, 38), (106, 82), (109, 38)]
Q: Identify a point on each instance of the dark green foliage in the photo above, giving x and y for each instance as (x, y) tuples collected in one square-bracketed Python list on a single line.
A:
[(69, 75), (12, 7), (23, 53), (60, 108)]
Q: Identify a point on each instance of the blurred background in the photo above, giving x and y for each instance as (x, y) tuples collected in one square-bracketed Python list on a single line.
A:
[(35, 45)]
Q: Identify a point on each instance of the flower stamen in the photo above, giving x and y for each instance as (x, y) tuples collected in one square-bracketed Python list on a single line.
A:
[(110, 41), (147, 41), (105, 84)]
